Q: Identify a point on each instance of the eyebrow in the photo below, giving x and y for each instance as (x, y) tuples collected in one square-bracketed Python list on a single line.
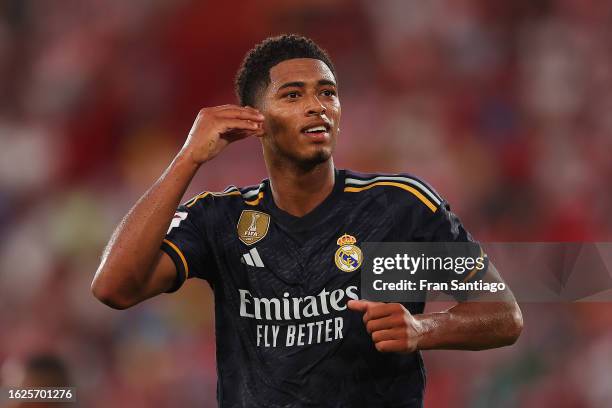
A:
[(300, 84)]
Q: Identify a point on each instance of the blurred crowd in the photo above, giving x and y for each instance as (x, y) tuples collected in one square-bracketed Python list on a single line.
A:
[(504, 107)]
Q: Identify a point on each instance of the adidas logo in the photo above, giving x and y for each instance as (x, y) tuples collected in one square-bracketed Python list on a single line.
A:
[(252, 258)]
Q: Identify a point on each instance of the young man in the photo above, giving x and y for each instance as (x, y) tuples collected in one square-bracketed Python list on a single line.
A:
[(291, 330)]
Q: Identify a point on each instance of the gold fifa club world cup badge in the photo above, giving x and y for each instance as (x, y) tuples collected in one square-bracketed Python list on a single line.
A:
[(348, 257), (253, 226)]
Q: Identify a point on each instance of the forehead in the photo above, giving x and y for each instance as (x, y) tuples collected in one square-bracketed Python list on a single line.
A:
[(299, 70)]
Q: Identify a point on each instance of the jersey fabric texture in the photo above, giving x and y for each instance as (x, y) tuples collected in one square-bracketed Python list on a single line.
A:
[(284, 335)]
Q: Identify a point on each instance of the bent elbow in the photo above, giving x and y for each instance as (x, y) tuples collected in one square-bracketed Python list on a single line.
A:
[(109, 297), (514, 325)]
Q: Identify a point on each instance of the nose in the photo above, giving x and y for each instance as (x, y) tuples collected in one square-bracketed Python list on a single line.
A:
[(314, 107)]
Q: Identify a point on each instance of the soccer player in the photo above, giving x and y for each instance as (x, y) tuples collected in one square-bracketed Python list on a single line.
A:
[(283, 258)]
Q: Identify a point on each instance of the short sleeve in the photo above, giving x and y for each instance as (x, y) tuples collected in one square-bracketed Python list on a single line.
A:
[(187, 245), (444, 226)]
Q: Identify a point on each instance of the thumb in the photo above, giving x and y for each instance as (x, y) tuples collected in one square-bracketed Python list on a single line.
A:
[(358, 305)]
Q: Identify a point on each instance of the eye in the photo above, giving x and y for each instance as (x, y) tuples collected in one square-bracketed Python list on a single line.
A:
[(292, 95), (328, 92)]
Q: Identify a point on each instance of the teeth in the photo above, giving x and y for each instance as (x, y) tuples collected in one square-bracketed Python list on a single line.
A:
[(316, 129)]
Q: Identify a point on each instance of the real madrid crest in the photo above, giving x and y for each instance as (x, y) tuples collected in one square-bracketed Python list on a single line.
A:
[(252, 226), (348, 257)]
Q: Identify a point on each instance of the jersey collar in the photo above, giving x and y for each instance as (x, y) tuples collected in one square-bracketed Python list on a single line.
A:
[(314, 217)]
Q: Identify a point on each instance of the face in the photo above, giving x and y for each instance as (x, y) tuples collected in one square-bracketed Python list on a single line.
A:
[(302, 112)]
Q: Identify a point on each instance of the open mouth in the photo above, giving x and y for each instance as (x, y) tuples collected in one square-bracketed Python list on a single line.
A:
[(316, 130)]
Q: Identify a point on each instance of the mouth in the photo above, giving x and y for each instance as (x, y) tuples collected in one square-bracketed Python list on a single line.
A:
[(317, 132)]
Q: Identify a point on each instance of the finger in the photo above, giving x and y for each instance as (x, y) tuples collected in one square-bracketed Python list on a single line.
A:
[(252, 109), (225, 109), (384, 323), (378, 310), (233, 135), (259, 132), (390, 346), (230, 123), (227, 106), (232, 105), (388, 334), (358, 305), (240, 113)]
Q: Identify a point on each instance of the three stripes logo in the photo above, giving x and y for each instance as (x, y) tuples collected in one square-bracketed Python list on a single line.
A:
[(252, 258)]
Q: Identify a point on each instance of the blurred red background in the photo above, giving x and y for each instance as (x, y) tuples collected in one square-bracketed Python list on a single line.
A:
[(503, 106)]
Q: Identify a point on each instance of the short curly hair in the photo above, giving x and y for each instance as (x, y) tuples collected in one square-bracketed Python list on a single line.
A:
[(254, 72)]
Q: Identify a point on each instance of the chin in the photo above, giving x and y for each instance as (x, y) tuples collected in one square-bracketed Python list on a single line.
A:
[(315, 158), (320, 156)]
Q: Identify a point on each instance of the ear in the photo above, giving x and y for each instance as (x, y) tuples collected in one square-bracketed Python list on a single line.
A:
[(261, 132)]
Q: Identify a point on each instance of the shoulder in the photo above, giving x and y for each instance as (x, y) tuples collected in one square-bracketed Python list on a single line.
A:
[(231, 195), (403, 187)]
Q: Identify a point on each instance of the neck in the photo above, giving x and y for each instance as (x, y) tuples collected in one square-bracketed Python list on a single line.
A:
[(298, 191)]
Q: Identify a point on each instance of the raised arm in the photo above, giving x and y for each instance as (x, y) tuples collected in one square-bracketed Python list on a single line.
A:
[(133, 268)]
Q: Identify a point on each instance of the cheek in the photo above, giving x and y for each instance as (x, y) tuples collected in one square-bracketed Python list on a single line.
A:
[(274, 125), (333, 111), (334, 116), (277, 124), (337, 109)]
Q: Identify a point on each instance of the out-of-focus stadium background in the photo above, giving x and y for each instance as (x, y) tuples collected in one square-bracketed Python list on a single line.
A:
[(505, 107)]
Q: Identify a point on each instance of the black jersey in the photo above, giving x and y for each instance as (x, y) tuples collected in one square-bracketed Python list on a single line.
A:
[(284, 335)]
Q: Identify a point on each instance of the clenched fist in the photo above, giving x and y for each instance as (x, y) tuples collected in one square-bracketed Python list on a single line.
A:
[(392, 327), (216, 127)]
